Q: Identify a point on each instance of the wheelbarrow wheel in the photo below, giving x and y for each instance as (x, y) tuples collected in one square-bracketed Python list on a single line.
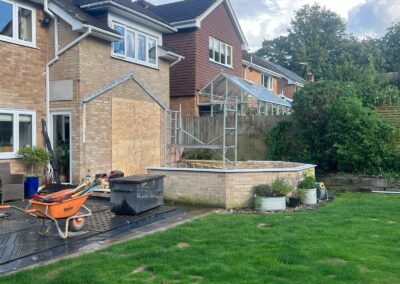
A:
[(44, 226), (77, 224)]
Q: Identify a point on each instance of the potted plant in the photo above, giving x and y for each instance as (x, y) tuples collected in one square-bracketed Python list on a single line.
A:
[(307, 185), (272, 198), (34, 159), (296, 197)]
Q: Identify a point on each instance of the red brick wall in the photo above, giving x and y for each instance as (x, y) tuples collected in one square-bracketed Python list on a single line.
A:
[(218, 25), (288, 90), (182, 75)]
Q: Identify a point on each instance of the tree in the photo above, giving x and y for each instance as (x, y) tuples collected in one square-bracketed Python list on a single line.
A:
[(391, 47), (278, 50)]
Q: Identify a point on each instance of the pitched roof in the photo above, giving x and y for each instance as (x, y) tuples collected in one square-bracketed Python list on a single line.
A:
[(257, 60), (135, 6), (82, 16), (183, 10)]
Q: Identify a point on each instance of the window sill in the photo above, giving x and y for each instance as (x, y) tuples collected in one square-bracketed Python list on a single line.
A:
[(18, 42), (6, 156), (220, 64), (153, 66)]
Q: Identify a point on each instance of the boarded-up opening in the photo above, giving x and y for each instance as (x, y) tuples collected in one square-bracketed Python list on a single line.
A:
[(136, 135)]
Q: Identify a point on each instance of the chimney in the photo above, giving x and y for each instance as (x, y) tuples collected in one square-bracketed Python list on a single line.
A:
[(310, 77)]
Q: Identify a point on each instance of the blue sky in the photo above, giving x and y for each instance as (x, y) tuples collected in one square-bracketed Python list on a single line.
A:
[(270, 18)]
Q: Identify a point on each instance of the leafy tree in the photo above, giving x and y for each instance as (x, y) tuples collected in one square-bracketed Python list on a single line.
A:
[(391, 47), (278, 50)]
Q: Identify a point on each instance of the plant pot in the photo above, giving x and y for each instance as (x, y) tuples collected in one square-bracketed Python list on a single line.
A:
[(294, 202), (31, 186), (321, 194), (310, 197), (270, 203)]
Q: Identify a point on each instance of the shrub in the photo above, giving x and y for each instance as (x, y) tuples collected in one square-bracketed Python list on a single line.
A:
[(278, 188), (34, 157), (308, 182)]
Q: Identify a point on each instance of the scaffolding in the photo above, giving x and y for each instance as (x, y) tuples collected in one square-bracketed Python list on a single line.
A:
[(233, 96)]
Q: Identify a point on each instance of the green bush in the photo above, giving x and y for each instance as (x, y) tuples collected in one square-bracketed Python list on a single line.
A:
[(278, 188), (332, 128), (34, 158), (308, 182)]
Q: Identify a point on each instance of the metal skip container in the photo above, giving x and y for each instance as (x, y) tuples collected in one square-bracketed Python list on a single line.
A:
[(135, 194)]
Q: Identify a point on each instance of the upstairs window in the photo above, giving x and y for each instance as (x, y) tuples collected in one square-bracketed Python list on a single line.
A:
[(220, 52), (17, 23), (267, 81), (135, 46)]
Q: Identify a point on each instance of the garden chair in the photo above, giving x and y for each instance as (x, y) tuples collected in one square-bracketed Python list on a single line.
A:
[(11, 185)]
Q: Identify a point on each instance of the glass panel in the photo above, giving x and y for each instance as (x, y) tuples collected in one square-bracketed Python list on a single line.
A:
[(25, 130), (119, 46), (6, 19), (229, 55), (222, 49), (142, 48), (270, 82), (152, 51), (24, 24), (6, 133), (216, 50), (211, 48), (130, 44)]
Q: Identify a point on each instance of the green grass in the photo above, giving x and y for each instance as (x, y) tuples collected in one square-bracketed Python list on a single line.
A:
[(355, 239)]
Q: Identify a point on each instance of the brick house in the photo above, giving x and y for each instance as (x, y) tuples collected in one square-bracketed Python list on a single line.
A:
[(210, 38), (107, 78), (274, 77)]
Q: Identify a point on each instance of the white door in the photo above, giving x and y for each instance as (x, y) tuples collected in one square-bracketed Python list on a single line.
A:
[(60, 137)]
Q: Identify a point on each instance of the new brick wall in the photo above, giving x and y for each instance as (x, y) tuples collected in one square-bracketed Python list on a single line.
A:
[(22, 80)]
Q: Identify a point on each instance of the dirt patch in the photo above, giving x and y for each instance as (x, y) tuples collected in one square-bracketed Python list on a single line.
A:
[(182, 245), (139, 269), (263, 226), (336, 260)]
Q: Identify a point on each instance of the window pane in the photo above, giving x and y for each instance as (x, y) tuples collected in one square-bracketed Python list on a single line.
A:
[(222, 49), (142, 48), (216, 50), (130, 44), (152, 51), (229, 55), (6, 133), (24, 24), (25, 130), (211, 48), (270, 83), (119, 46), (6, 19)]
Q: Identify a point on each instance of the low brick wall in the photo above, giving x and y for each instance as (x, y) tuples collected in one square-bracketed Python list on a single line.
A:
[(232, 188)]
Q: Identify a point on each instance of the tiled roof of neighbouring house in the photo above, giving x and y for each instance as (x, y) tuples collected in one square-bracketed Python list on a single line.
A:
[(183, 10), (255, 59), (135, 6), (82, 16)]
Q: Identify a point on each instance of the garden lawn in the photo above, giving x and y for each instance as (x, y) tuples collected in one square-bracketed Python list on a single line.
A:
[(354, 239)]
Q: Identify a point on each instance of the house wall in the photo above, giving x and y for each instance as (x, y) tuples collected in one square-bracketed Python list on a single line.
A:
[(196, 70), (22, 80), (90, 65), (256, 77), (285, 88)]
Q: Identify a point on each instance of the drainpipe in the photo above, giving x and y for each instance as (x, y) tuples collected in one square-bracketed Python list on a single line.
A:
[(57, 54), (176, 61)]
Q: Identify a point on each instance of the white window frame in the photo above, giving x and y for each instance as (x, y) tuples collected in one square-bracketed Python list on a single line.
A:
[(270, 83), (16, 114), (15, 39), (220, 43), (137, 34)]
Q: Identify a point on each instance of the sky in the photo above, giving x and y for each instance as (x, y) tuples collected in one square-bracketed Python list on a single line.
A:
[(268, 19)]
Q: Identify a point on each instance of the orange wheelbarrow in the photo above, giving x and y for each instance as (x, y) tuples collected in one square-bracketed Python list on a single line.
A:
[(53, 212)]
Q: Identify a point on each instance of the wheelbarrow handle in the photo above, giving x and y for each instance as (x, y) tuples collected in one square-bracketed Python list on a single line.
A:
[(4, 206)]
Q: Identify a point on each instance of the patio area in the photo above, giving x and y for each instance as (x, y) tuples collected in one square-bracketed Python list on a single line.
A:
[(22, 246)]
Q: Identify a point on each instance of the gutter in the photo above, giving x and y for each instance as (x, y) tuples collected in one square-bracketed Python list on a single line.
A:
[(180, 58), (121, 7), (262, 69)]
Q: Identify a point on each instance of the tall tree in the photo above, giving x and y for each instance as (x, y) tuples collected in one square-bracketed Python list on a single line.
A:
[(391, 47)]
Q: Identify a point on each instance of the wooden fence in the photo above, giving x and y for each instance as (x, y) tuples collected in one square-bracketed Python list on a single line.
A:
[(252, 132), (390, 114)]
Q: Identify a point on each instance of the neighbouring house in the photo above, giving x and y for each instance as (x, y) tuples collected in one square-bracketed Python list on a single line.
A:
[(211, 40), (276, 78), (107, 75)]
